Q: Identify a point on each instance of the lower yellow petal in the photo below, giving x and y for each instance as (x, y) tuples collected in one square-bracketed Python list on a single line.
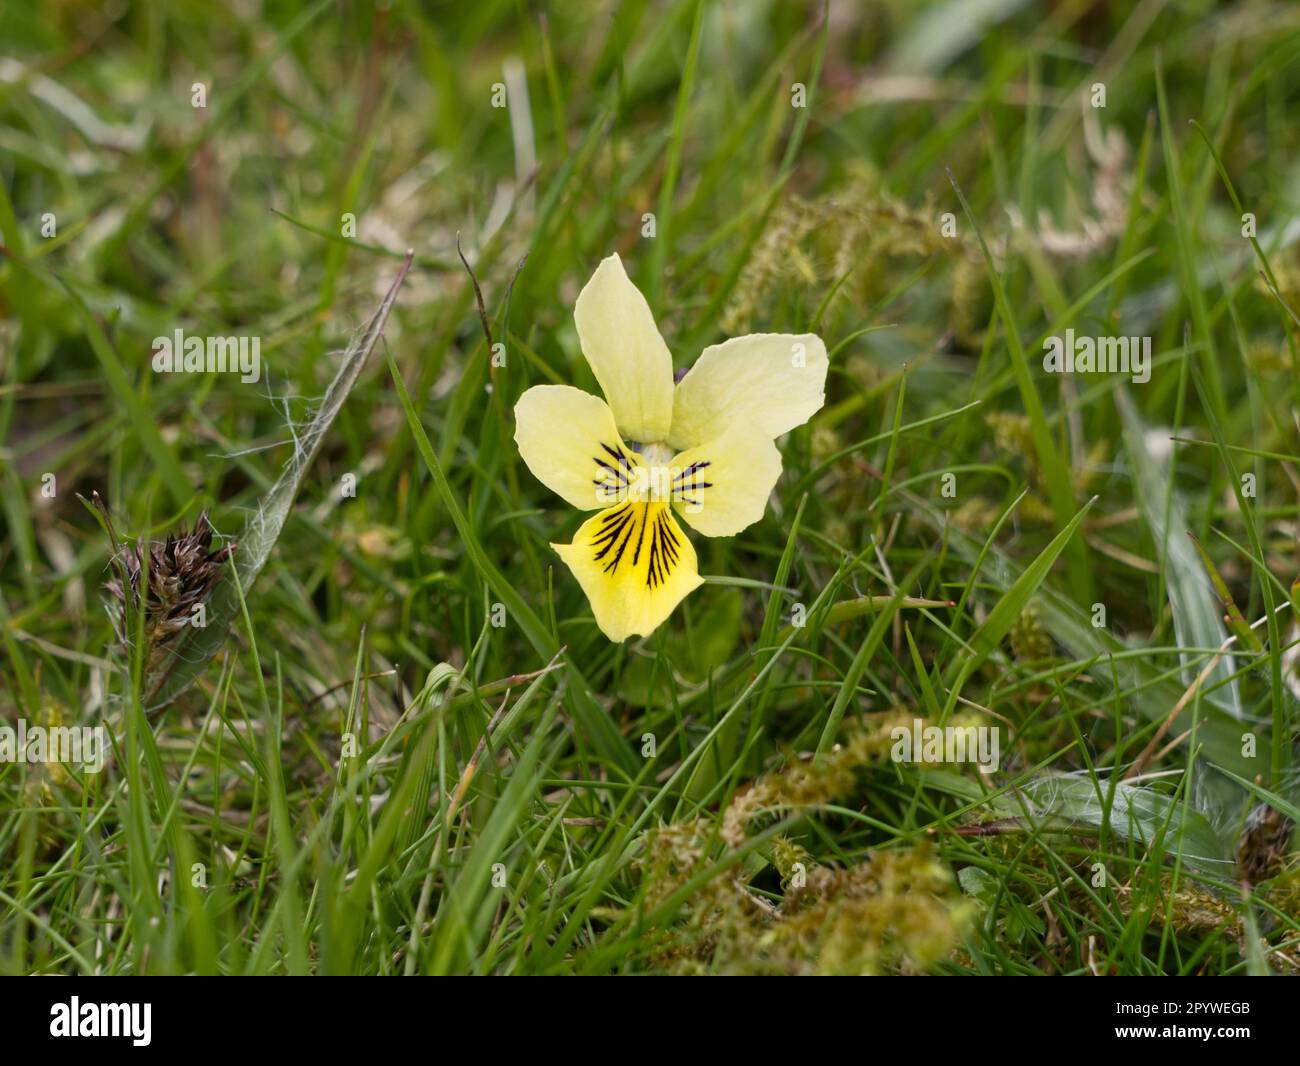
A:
[(635, 565), (722, 487)]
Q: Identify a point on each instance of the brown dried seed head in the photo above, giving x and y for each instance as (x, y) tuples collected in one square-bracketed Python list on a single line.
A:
[(177, 574), (1263, 847)]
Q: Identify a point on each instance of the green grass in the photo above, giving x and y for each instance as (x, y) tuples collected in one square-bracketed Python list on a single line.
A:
[(353, 769)]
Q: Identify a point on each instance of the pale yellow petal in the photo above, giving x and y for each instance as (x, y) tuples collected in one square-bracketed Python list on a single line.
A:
[(628, 356), (568, 440), (722, 487), (771, 381), (635, 565)]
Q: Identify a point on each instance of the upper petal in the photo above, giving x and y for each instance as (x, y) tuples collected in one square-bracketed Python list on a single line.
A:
[(628, 356), (635, 565), (722, 487), (772, 381), (568, 439)]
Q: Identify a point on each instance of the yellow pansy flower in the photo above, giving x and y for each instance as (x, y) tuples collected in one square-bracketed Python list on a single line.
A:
[(703, 448)]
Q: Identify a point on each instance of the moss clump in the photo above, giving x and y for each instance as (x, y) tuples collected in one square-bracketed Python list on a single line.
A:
[(1030, 641), (814, 783), (897, 911)]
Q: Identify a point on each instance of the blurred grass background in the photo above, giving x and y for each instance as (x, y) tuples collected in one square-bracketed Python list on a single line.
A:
[(655, 806)]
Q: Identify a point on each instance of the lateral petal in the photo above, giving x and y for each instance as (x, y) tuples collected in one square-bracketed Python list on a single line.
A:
[(722, 487), (568, 439)]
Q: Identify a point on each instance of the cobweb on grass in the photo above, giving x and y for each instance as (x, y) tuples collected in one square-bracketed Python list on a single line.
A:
[(263, 525), (1137, 813)]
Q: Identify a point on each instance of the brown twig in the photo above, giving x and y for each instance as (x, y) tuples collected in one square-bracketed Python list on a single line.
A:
[(484, 321), (478, 295)]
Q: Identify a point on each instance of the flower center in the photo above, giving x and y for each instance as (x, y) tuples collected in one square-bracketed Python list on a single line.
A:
[(655, 454), (652, 480), (648, 476)]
